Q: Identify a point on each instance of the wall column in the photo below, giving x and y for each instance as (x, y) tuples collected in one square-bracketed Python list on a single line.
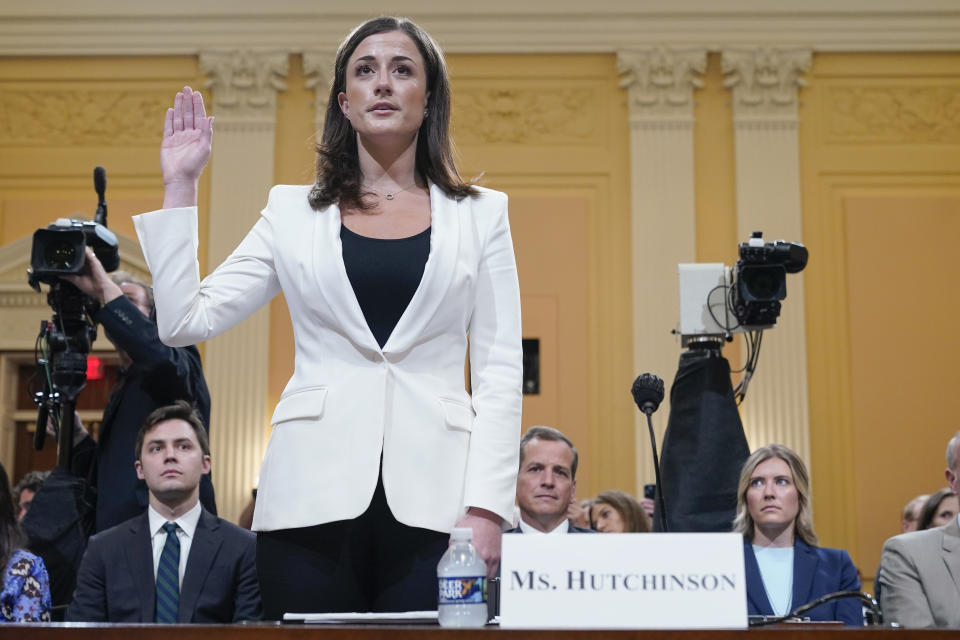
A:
[(244, 85), (764, 84), (660, 84), (318, 68)]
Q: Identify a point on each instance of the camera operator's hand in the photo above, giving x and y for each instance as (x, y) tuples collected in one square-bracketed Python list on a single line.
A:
[(187, 139), (79, 431), (94, 281)]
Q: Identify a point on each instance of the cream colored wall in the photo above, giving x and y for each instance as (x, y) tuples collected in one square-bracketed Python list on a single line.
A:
[(60, 117), (881, 187)]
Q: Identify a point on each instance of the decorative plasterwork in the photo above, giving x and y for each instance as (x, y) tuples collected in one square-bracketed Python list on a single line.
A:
[(121, 27), (245, 82), (524, 115), (79, 118), (660, 81), (893, 114), (765, 81), (318, 68)]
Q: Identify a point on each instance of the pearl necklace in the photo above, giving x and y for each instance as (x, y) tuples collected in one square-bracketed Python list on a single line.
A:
[(389, 196)]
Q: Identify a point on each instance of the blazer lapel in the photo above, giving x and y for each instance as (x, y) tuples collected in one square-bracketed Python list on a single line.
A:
[(951, 551), (445, 220), (756, 594), (805, 562), (140, 560), (332, 278), (206, 543)]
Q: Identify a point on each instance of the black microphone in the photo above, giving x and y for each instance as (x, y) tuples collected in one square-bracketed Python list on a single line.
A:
[(100, 185), (647, 392)]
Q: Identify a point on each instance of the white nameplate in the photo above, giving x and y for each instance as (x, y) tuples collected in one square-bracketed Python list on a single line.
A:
[(623, 581)]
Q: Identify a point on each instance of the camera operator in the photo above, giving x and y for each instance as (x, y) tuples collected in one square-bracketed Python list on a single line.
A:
[(153, 375)]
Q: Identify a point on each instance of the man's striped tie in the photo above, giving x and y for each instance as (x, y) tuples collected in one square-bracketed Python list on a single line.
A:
[(168, 577)]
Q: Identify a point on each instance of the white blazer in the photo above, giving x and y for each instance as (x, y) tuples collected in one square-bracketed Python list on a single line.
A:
[(349, 400)]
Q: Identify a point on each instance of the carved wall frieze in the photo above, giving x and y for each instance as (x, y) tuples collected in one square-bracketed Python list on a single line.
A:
[(660, 81), (245, 82), (318, 68), (893, 114), (28, 298), (525, 116), (79, 117), (765, 80)]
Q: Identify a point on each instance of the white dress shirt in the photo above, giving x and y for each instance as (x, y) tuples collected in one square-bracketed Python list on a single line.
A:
[(563, 527), (186, 527)]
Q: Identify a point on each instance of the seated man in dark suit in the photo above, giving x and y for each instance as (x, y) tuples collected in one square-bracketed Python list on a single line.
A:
[(176, 562), (546, 484)]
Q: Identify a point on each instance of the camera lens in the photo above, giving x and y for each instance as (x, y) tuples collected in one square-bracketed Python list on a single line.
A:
[(60, 255), (763, 282)]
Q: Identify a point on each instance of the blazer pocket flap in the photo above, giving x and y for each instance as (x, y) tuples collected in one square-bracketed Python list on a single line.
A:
[(301, 405), (457, 415)]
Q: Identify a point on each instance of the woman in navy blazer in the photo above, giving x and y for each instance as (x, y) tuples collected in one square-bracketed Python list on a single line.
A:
[(387, 263), (773, 514)]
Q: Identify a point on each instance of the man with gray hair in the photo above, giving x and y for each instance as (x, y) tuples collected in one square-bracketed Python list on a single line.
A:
[(546, 484), (920, 570)]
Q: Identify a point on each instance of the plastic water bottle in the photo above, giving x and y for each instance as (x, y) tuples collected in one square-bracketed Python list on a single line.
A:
[(462, 582)]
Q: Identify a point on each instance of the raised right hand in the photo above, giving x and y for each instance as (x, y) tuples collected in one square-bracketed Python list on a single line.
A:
[(185, 150)]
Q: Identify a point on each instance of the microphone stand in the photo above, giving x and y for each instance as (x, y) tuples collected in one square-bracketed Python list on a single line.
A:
[(662, 511), (874, 616), (647, 393)]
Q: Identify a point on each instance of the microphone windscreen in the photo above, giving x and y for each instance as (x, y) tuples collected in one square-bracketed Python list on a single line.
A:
[(647, 392), (100, 180)]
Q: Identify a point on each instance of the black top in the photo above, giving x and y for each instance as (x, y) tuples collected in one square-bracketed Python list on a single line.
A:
[(384, 275)]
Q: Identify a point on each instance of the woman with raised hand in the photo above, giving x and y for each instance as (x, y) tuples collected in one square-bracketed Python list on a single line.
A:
[(785, 568), (387, 263)]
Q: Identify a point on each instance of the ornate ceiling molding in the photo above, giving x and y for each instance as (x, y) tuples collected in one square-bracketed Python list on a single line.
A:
[(660, 81), (245, 82), (120, 27)]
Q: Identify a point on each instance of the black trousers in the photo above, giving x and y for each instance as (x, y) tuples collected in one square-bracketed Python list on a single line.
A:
[(371, 563)]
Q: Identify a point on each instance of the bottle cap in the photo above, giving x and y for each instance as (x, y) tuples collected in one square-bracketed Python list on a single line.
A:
[(461, 534)]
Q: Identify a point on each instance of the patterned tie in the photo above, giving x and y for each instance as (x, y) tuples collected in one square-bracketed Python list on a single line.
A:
[(168, 577)]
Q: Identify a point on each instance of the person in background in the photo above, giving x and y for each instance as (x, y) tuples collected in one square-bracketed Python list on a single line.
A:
[(921, 570), (940, 508), (25, 490), (25, 596), (579, 512), (175, 562), (785, 567), (618, 512), (547, 482), (911, 513), (153, 375), (908, 522)]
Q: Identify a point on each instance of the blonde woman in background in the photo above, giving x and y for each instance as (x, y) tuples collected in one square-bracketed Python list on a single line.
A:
[(785, 568)]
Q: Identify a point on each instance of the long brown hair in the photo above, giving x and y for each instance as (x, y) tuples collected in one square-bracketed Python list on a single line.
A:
[(11, 537), (930, 507), (803, 524), (338, 161), (635, 519)]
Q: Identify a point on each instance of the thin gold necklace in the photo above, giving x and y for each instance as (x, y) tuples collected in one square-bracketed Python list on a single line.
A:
[(389, 196)]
